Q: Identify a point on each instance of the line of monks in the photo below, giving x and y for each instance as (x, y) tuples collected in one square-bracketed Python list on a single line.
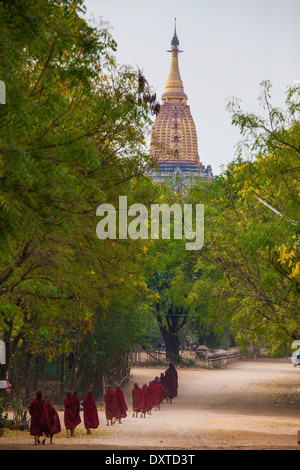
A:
[(144, 398), (45, 421)]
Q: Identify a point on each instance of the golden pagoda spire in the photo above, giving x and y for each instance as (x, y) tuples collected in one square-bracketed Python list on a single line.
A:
[(174, 92), (174, 137)]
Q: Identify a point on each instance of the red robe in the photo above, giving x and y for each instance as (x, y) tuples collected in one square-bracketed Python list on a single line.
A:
[(90, 413), (145, 402), (54, 421), (163, 380), (72, 412), (151, 395), (121, 404), (78, 419), (110, 405), (137, 397), (39, 417), (172, 382), (160, 392), (155, 394)]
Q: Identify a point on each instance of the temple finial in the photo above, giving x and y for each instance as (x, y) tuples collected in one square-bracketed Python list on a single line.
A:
[(174, 88), (175, 42)]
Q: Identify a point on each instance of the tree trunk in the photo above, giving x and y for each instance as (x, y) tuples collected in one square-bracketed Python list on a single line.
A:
[(170, 330), (172, 348)]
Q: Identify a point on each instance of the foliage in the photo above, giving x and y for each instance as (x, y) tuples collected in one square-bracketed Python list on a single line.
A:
[(169, 275), (72, 136), (250, 261), (17, 406)]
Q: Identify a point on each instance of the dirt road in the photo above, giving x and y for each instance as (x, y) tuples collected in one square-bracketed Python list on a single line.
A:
[(247, 405)]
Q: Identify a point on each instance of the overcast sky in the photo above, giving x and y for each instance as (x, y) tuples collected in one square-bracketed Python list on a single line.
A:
[(230, 47)]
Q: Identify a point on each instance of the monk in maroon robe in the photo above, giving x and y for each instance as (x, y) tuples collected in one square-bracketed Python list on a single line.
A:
[(172, 381), (38, 411), (146, 407), (137, 397), (120, 402), (72, 413), (76, 399), (164, 384), (110, 405), (54, 421), (90, 413), (156, 393), (160, 392), (151, 395)]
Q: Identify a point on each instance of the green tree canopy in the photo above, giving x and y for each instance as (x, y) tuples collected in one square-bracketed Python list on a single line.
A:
[(252, 229), (72, 137)]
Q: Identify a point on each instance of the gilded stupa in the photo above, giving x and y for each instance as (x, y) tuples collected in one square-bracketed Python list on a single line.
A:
[(174, 144)]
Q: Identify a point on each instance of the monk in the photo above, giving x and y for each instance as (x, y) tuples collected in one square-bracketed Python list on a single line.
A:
[(145, 406), (172, 381), (71, 413), (76, 399), (155, 393), (137, 397), (39, 424), (121, 404), (151, 395), (160, 393), (90, 413), (54, 421), (164, 384), (110, 405)]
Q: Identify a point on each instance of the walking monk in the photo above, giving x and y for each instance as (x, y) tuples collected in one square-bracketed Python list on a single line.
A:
[(39, 424), (172, 381), (71, 414), (120, 402), (160, 392), (151, 396), (163, 380), (77, 401), (137, 396), (54, 421), (90, 413), (146, 407), (110, 405)]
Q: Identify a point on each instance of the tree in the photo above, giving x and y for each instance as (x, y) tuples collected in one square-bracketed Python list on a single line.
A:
[(169, 273), (252, 230), (72, 135)]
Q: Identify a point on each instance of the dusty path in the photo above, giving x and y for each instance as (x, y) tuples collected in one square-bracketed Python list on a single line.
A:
[(248, 405)]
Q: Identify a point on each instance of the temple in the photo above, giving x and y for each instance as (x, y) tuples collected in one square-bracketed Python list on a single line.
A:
[(174, 144)]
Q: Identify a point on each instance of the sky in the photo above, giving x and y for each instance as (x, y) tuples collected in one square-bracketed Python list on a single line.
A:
[(230, 47)]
